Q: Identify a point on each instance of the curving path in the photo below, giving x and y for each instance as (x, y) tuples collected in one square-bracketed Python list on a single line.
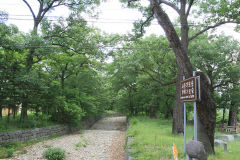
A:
[(103, 141)]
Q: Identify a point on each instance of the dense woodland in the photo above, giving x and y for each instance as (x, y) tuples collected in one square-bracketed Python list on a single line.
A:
[(67, 70)]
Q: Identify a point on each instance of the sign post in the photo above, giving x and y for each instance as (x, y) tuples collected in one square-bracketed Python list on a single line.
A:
[(190, 92), (195, 112)]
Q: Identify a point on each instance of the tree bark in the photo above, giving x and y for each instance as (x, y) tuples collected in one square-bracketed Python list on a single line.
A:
[(233, 115), (206, 108), (177, 124)]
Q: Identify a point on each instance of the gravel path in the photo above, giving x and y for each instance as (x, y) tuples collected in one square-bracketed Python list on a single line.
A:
[(104, 141)]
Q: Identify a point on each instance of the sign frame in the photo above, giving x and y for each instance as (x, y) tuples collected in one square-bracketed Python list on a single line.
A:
[(188, 90)]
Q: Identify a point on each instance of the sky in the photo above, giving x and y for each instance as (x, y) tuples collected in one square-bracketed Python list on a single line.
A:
[(112, 18)]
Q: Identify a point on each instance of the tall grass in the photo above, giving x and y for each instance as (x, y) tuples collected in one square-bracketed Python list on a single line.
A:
[(153, 140)]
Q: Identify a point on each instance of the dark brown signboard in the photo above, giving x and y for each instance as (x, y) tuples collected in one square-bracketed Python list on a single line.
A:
[(188, 89)]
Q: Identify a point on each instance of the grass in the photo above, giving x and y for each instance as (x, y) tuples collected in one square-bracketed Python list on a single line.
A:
[(54, 154), (110, 111), (82, 143), (30, 123), (153, 140), (8, 148)]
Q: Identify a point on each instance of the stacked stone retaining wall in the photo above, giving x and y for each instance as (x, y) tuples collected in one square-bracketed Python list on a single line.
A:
[(39, 133)]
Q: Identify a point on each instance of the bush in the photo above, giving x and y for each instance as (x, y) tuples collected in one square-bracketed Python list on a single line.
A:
[(54, 154), (7, 149), (72, 114)]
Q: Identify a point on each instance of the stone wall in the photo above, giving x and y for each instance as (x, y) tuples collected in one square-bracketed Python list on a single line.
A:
[(39, 133), (33, 134)]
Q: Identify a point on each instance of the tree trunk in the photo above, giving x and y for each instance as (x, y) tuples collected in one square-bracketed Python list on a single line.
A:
[(223, 116), (206, 111), (1, 111), (130, 101), (169, 111), (8, 117), (206, 108), (24, 111), (14, 111), (153, 111), (177, 124), (233, 115)]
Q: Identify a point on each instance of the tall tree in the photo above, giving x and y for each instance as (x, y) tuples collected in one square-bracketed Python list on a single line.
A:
[(225, 13), (44, 7)]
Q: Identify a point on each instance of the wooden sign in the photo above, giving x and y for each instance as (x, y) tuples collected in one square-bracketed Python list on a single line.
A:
[(188, 91)]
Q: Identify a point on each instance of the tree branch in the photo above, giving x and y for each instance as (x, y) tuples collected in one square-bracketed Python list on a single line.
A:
[(63, 46), (189, 7), (157, 80), (146, 21), (130, 1), (224, 83), (30, 8), (170, 5), (211, 27)]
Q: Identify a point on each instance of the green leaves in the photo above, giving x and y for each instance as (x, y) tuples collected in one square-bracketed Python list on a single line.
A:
[(221, 10), (136, 74)]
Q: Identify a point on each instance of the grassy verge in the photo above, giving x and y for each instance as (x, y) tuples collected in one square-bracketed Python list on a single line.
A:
[(153, 140)]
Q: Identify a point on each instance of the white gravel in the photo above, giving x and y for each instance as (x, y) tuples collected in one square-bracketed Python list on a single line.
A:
[(93, 144)]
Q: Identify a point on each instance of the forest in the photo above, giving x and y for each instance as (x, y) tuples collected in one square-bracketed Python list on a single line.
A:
[(67, 70)]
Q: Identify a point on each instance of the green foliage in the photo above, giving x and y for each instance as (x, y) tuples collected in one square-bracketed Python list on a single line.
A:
[(72, 114), (7, 149), (61, 83), (82, 143), (33, 121), (220, 116), (54, 154), (138, 74), (217, 56)]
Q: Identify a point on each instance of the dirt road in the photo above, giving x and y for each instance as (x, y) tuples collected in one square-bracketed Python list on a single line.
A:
[(103, 141)]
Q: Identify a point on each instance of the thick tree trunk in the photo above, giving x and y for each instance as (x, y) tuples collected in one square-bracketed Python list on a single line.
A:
[(177, 124), (233, 115), (206, 108)]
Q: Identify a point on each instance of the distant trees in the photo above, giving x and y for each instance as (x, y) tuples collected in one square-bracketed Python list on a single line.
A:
[(139, 76), (65, 81), (218, 57)]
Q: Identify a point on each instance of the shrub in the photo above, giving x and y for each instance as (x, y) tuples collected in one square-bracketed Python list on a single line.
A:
[(54, 154), (10, 153), (7, 149)]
